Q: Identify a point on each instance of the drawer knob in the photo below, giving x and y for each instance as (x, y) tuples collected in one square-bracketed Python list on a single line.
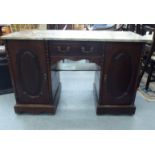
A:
[(87, 50), (63, 49)]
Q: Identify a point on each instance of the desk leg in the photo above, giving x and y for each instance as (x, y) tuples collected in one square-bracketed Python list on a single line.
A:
[(29, 64), (119, 78)]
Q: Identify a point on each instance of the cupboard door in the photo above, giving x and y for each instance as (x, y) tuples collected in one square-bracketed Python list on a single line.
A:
[(120, 72), (29, 71)]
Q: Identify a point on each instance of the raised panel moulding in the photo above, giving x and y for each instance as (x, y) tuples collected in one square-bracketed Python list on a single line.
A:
[(29, 71)]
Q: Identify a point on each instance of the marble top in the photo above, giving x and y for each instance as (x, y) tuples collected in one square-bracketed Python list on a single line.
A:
[(77, 35)]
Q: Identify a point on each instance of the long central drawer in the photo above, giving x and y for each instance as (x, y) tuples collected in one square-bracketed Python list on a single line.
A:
[(71, 48)]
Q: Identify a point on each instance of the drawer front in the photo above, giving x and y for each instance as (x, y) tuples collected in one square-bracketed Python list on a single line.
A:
[(90, 49), (75, 49), (63, 48)]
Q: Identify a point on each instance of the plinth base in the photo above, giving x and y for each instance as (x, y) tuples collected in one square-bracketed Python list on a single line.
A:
[(102, 109), (115, 109), (39, 108)]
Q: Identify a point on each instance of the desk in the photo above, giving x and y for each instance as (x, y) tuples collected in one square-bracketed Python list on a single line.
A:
[(37, 87)]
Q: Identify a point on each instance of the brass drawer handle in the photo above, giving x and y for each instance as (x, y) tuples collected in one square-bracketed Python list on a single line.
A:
[(62, 49), (84, 50)]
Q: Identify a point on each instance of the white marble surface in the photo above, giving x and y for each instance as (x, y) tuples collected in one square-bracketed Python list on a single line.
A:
[(78, 35)]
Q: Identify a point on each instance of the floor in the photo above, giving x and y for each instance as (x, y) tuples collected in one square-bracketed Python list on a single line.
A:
[(76, 110), (149, 95)]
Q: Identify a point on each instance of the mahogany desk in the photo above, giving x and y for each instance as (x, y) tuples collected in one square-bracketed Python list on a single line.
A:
[(37, 87)]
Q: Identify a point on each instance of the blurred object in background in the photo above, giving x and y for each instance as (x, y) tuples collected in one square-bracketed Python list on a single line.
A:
[(21, 27), (66, 26), (42, 27), (60, 26), (6, 30), (5, 79), (111, 27), (103, 26), (78, 26)]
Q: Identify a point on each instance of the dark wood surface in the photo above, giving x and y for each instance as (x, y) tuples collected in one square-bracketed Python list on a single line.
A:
[(74, 48), (30, 70), (119, 78), (37, 87)]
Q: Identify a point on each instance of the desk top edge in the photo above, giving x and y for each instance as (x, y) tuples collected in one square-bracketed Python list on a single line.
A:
[(77, 35)]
